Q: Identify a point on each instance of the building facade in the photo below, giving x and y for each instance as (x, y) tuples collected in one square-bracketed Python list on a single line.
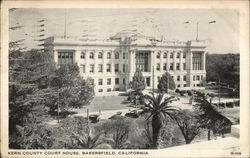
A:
[(112, 63)]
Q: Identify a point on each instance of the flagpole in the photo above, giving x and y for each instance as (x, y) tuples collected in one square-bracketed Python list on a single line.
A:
[(197, 31)]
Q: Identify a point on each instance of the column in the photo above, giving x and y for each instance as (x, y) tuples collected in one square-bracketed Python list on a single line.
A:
[(168, 61), (204, 61), (56, 56), (174, 60), (132, 59), (161, 61), (86, 62), (95, 62), (77, 59), (104, 58)]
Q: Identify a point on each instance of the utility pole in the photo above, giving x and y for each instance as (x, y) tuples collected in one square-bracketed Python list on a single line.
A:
[(58, 107), (153, 79)]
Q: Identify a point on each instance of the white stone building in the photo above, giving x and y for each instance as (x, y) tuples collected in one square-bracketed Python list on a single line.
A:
[(112, 63)]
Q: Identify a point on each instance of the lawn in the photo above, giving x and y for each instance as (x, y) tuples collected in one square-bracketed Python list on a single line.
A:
[(104, 103)]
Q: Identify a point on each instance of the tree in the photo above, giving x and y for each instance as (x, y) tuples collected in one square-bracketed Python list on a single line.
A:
[(119, 130), (71, 91), (158, 109), (188, 125), (166, 82), (208, 115), (138, 82), (138, 85)]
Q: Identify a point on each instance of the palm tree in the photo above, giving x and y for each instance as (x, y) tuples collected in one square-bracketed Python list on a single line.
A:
[(158, 109)]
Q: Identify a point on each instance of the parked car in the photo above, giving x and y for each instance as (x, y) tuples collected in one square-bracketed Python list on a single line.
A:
[(94, 118), (132, 114)]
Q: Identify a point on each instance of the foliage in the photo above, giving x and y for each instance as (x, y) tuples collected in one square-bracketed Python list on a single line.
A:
[(31, 136), (138, 85), (138, 82), (158, 109), (209, 117), (188, 125), (74, 92), (119, 130), (26, 70), (166, 82), (224, 67)]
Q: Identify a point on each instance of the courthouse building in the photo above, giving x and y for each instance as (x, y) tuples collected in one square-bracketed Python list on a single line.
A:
[(112, 63)]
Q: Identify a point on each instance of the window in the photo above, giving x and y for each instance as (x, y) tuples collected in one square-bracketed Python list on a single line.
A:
[(99, 67), (196, 61), (141, 61), (177, 66), (158, 55), (184, 55), (100, 55), (123, 81), (158, 67), (100, 90), (193, 78), (117, 89), (201, 77), (99, 81), (178, 78), (172, 55), (91, 55), (178, 85), (184, 78), (124, 56), (109, 90), (92, 81), (82, 68), (171, 66), (165, 55), (82, 55), (184, 85), (194, 85), (108, 55), (116, 67), (124, 68), (184, 66), (197, 77), (117, 55), (109, 81), (108, 67), (178, 55), (165, 66), (116, 81), (91, 68)]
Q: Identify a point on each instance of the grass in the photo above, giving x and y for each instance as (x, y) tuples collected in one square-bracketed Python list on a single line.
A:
[(108, 103)]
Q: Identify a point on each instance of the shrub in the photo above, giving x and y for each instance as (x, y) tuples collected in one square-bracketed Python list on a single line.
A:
[(177, 91)]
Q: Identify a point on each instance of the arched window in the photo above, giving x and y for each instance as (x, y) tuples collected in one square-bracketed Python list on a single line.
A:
[(178, 55), (91, 55), (158, 55), (82, 55), (117, 55), (100, 55), (172, 55), (165, 55), (108, 55)]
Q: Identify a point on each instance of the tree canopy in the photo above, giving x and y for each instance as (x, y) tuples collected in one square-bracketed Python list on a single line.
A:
[(166, 82), (138, 81)]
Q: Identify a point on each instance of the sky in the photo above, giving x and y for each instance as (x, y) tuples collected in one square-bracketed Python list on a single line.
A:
[(97, 23)]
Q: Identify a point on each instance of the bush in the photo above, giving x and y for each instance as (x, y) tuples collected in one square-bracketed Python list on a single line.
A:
[(189, 93)]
